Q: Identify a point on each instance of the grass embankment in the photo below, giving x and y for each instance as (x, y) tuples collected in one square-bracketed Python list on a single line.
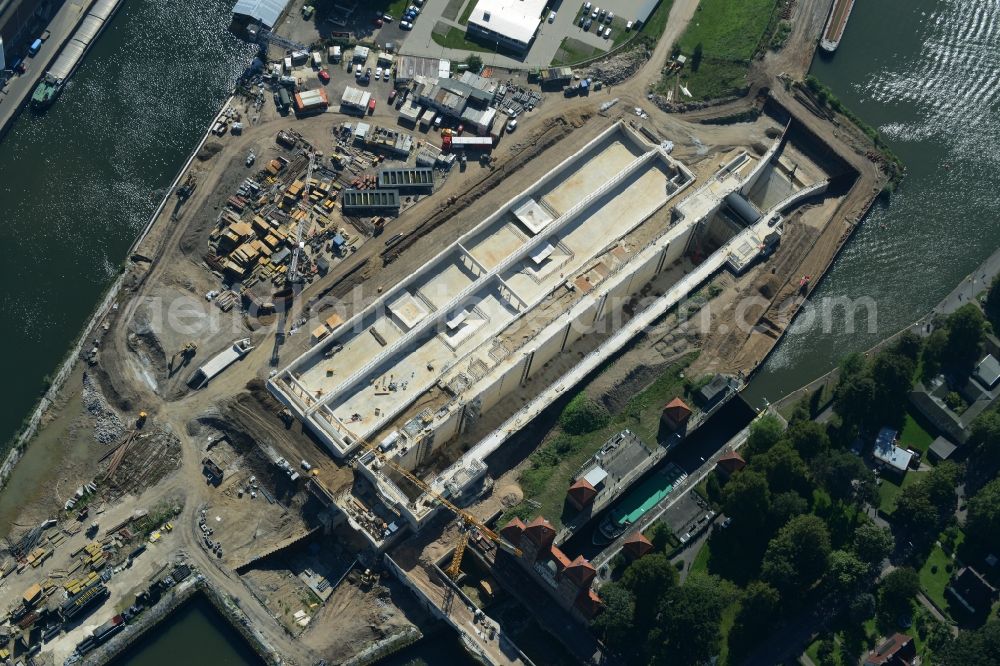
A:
[(551, 467), (572, 51), (825, 98), (469, 8), (719, 44)]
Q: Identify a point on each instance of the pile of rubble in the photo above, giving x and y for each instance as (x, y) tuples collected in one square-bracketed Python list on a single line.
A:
[(108, 425), (619, 67)]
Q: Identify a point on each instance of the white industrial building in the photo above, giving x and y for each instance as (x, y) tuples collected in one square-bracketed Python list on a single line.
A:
[(510, 23), (265, 12)]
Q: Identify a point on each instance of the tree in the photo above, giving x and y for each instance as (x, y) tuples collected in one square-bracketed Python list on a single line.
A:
[(759, 607), (809, 439), (747, 499), (991, 305), (966, 331), (845, 573), (583, 415), (787, 505), (862, 608), (979, 646), (659, 535), (797, 556), (474, 62), (922, 509), (853, 399), (897, 591), (872, 543), (649, 579), (841, 472), (908, 344), (893, 378), (984, 437), (982, 524), (765, 432), (690, 618), (614, 624), (785, 470), (851, 366), (934, 353), (696, 57)]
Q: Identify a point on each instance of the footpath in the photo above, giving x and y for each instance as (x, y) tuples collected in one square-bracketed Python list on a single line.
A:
[(15, 94)]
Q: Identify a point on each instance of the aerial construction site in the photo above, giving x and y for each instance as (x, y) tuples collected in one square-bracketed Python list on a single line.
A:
[(314, 390)]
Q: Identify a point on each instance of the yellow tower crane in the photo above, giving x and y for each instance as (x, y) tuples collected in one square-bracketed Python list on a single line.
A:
[(469, 521)]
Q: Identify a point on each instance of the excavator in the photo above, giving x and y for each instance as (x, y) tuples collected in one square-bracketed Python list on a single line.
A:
[(184, 354), (468, 521)]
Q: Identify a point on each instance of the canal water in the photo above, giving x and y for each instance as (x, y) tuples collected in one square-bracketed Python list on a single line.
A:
[(196, 635), (925, 74), (78, 183)]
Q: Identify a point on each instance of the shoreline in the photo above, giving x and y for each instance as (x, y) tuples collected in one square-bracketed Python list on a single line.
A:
[(22, 438), (803, 391)]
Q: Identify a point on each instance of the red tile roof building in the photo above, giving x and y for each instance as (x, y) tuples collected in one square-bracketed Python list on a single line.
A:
[(730, 463), (568, 581), (897, 650), (676, 414), (581, 493), (636, 545)]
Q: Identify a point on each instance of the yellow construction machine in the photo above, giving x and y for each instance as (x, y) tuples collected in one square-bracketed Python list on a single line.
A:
[(468, 521)]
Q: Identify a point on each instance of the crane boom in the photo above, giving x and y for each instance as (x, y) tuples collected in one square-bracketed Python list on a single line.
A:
[(293, 267), (466, 516)]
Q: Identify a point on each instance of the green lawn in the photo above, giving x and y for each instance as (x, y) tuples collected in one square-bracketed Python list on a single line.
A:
[(888, 490), (657, 22), (700, 563), (725, 626), (729, 34), (934, 574), (454, 38), (464, 19), (933, 582), (551, 467), (572, 51), (915, 436)]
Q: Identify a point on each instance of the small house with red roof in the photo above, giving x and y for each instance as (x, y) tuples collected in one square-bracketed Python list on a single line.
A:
[(730, 463), (676, 414), (636, 545)]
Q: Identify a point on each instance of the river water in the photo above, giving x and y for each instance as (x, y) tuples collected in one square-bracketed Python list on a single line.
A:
[(78, 184), (925, 73)]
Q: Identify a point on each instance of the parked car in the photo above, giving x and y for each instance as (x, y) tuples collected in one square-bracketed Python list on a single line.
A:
[(593, 14), (368, 73), (392, 95), (324, 76), (583, 19), (587, 24), (609, 18), (386, 18), (413, 9), (586, 7), (628, 26), (378, 73), (405, 25), (552, 17), (378, 23), (511, 125), (607, 33)]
